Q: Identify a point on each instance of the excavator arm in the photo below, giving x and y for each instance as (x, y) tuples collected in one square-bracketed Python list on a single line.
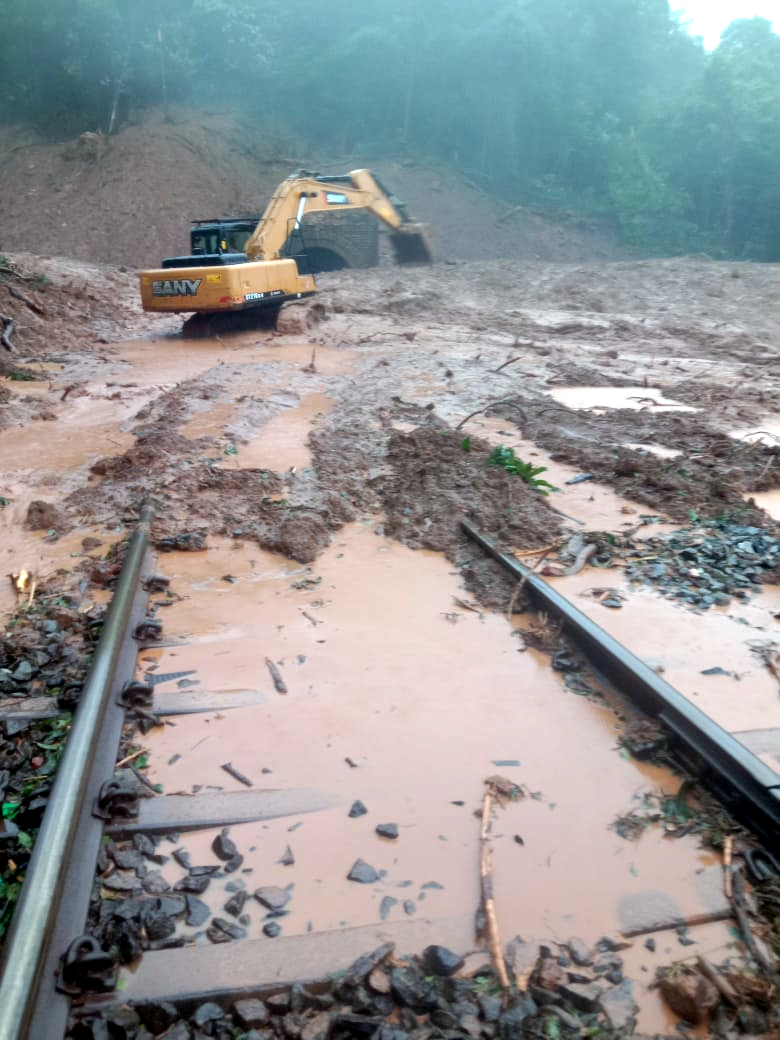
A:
[(307, 193)]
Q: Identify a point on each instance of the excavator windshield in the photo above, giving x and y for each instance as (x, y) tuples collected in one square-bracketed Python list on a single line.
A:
[(224, 236)]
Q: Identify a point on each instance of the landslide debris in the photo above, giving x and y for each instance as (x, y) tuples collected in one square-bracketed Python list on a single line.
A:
[(709, 564)]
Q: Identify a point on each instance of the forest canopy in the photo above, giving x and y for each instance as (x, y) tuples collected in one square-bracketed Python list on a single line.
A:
[(604, 107)]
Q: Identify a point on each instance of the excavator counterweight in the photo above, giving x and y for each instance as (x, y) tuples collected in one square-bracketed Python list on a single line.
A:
[(239, 263)]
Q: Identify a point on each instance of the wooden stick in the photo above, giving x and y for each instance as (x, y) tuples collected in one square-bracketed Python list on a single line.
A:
[(488, 901), (728, 849), (8, 328), (722, 985), (484, 408), (739, 905), (130, 758)]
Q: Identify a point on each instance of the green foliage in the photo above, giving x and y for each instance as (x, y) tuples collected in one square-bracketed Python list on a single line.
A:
[(506, 458), (607, 107)]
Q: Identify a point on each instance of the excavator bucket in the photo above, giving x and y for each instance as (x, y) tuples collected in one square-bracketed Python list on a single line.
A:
[(411, 244)]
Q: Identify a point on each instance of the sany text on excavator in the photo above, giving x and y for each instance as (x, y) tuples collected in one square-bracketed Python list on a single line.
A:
[(236, 264)]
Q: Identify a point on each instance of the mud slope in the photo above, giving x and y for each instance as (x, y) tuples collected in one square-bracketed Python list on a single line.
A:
[(131, 202)]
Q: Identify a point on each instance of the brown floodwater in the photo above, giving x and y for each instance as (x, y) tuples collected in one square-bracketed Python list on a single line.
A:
[(404, 700), (646, 398), (282, 442)]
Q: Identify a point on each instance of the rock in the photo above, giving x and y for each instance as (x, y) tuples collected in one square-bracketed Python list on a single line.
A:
[(193, 883), (23, 672), (510, 1025), (357, 809), (208, 1012), (521, 958), (292, 1026), (120, 881), (619, 1006), (287, 859), (181, 1031), (584, 996), (251, 1013), (127, 859), (318, 1027), (438, 960), (650, 945), (158, 925), (692, 996), (363, 873), (387, 830), (300, 999), (155, 884), (490, 1008), (235, 905), (233, 864), (379, 981), (279, 1003), (223, 847), (272, 897), (365, 965), (443, 1019), (389, 1032), (157, 1017), (550, 974), (410, 988), (183, 858), (272, 930), (580, 952), (387, 904), (358, 1026), (220, 931), (197, 911)]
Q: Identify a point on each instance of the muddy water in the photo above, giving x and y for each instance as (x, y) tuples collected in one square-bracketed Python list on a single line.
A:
[(646, 398), (36, 461), (282, 444), (765, 432), (169, 361), (684, 644), (768, 500), (401, 699)]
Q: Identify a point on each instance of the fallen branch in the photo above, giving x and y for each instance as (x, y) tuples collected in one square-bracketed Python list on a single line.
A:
[(739, 906), (8, 327), (488, 900), (484, 408), (728, 852), (130, 758), (722, 985), (19, 295), (511, 361), (279, 684), (522, 583)]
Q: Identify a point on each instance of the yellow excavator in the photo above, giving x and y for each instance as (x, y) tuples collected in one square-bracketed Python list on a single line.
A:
[(239, 263)]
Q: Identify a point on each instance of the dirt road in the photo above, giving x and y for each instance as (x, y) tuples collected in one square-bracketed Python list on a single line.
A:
[(319, 474)]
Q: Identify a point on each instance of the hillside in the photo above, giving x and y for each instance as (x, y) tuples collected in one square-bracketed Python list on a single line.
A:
[(129, 201)]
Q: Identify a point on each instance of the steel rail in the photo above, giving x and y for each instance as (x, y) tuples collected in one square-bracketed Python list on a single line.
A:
[(741, 780), (29, 938)]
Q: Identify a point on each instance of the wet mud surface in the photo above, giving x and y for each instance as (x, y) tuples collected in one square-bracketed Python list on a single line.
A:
[(318, 479)]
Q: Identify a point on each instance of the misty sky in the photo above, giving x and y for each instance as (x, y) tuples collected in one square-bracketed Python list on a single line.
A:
[(710, 17)]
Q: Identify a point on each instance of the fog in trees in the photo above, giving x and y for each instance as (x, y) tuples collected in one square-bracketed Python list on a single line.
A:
[(608, 108)]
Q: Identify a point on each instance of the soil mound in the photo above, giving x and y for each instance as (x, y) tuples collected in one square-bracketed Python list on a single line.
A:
[(129, 199)]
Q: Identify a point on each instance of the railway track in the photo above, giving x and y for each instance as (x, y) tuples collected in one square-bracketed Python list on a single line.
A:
[(54, 971)]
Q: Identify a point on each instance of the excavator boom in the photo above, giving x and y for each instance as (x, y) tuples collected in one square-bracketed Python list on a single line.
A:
[(307, 193)]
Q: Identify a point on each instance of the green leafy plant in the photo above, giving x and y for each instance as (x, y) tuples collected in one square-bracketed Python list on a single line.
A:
[(506, 458), (466, 444)]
